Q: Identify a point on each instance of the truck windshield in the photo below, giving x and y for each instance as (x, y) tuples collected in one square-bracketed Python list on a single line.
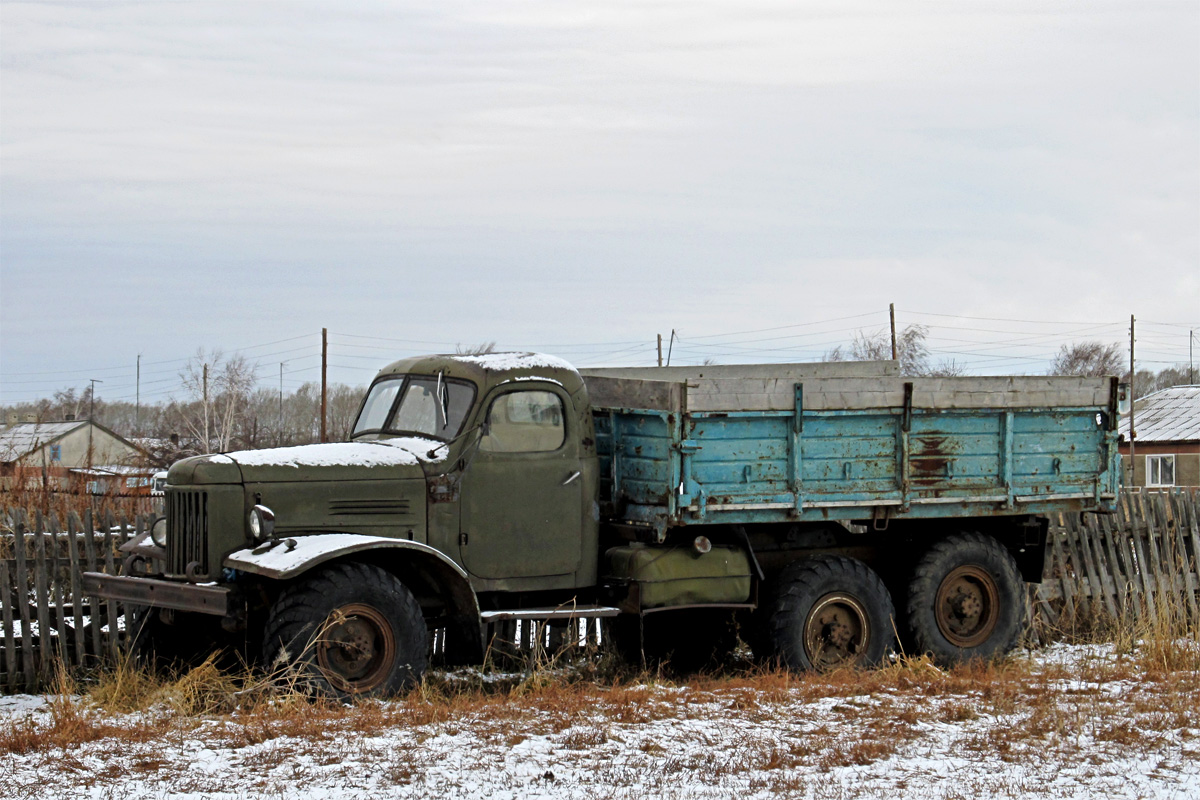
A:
[(426, 406)]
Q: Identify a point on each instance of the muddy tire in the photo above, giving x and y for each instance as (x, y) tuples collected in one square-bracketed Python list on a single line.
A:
[(349, 630), (966, 600), (684, 641), (828, 612)]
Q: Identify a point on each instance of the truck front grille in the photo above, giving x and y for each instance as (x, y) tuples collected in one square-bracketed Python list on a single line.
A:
[(187, 532)]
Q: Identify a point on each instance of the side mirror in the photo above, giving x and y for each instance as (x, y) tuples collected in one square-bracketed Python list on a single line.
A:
[(1124, 400)]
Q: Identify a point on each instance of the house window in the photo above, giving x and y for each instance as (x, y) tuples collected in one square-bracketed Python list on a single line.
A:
[(1160, 470), (56, 452)]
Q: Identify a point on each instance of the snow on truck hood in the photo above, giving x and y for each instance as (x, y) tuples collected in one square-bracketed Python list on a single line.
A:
[(400, 451)]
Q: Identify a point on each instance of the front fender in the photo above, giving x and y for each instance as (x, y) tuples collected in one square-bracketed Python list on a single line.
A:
[(282, 561), (425, 570)]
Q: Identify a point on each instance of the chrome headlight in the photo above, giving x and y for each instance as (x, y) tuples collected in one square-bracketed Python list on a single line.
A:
[(158, 532), (262, 523)]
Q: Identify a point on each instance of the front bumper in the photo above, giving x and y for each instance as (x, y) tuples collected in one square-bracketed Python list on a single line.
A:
[(159, 593)]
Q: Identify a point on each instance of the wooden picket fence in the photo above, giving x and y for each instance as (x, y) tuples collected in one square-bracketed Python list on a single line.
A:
[(1141, 560), (1112, 567), (47, 620)]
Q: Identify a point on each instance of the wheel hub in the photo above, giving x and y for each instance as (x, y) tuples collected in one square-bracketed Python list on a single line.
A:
[(967, 606), (836, 631), (356, 648)]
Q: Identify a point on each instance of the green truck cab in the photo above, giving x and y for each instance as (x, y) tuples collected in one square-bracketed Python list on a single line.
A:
[(807, 502)]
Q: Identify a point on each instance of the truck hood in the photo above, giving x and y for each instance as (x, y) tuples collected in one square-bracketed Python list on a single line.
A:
[(380, 459)]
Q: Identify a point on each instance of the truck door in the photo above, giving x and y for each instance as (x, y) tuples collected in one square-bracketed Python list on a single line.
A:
[(522, 493)]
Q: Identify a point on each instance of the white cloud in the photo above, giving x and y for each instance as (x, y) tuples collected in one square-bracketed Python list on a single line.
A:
[(552, 171)]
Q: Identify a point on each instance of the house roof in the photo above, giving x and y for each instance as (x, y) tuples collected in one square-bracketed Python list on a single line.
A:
[(1168, 415), (25, 437)]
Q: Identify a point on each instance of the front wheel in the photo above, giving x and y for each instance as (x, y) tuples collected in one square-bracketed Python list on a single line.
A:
[(349, 630), (965, 600), (830, 611)]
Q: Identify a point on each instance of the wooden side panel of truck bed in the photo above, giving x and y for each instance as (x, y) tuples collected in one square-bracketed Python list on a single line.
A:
[(761, 449)]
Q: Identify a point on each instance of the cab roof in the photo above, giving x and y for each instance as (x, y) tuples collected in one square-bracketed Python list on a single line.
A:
[(490, 368)]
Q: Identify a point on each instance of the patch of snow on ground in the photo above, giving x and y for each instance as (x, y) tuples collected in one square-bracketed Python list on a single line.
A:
[(707, 744)]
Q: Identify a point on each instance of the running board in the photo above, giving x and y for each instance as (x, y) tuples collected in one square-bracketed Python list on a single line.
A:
[(549, 612)]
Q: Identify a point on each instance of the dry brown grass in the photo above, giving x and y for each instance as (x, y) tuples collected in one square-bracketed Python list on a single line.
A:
[(785, 730)]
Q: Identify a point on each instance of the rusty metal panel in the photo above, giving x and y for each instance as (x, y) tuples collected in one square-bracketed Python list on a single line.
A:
[(158, 593)]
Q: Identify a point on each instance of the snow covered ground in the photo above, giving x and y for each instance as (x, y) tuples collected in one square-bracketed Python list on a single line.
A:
[(1066, 722)]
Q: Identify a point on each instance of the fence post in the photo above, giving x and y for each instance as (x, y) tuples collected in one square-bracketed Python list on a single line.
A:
[(42, 598), (78, 637), (57, 579), (95, 614), (10, 644), (114, 637)]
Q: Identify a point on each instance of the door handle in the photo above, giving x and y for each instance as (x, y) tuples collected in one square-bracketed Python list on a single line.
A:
[(571, 477)]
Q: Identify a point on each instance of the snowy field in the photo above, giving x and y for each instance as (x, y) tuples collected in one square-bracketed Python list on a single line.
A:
[(1066, 722)]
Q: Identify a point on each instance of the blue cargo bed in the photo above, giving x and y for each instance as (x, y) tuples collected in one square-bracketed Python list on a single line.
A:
[(825, 442)]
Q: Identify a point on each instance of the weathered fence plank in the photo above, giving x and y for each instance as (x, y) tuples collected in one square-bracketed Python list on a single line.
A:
[(42, 599), (79, 639), (1143, 562), (10, 643), (94, 614), (114, 641)]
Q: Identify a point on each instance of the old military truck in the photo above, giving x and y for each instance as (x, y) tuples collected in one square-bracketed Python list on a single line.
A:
[(821, 506)]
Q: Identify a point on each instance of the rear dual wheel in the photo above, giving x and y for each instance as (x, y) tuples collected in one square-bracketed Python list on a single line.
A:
[(965, 600), (830, 611)]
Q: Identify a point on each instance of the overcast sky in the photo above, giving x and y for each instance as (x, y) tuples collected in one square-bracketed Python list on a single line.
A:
[(577, 177)]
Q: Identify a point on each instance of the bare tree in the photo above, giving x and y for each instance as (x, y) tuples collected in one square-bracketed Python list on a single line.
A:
[(220, 388), (1088, 359), (911, 348), (476, 350)]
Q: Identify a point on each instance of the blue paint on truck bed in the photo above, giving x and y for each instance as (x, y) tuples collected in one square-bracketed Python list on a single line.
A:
[(674, 466)]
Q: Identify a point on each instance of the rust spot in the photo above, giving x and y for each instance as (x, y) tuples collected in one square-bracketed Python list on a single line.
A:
[(933, 446), (928, 466), (588, 442), (637, 451)]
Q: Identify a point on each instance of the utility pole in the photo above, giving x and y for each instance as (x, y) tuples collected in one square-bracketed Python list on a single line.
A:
[(91, 419), (324, 382), (206, 437), (660, 349), (892, 314), (1132, 395), (137, 408), (1191, 365), (670, 346), (279, 436)]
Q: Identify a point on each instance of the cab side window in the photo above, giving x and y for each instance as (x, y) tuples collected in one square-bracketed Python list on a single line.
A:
[(525, 422)]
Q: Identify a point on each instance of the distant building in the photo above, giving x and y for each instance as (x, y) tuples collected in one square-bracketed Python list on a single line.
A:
[(75, 454), (1166, 448)]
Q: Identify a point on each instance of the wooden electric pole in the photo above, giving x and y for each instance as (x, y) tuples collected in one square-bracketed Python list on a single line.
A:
[(206, 436), (892, 314), (1132, 395), (660, 349), (324, 380)]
